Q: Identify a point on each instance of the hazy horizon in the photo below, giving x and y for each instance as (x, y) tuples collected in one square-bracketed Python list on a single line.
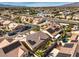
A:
[(35, 4)]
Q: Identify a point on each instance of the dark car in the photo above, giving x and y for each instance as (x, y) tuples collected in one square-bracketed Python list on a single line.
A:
[(24, 28), (12, 33)]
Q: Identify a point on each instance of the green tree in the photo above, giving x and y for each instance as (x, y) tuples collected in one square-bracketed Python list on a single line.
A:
[(18, 20), (36, 28)]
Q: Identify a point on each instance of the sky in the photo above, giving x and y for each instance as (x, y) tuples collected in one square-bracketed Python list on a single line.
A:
[(35, 4)]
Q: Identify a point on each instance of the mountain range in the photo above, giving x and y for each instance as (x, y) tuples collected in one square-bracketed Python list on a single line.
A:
[(74, 4)]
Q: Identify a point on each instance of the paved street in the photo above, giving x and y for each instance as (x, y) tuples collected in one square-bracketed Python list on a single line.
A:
[(66, 21)]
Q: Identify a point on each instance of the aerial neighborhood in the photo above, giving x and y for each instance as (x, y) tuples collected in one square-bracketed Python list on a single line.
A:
[(39, 31)]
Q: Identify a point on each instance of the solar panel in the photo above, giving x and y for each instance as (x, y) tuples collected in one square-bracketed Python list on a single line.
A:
[(68, 45), (31, 42), (50, 30), (63, 55), (11, 47)]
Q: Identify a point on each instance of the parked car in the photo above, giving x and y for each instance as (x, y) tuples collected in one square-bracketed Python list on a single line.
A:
[(23, 28), (12, 33)]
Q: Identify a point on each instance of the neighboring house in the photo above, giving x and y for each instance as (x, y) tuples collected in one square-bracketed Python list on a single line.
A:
[(69, 17), (18, 27), (42, 20), (20, 37), (7, 22), (40, 14), (77, 50), (37, 19), (6, 41), (4, 24), (27, 19), (36, 40), (12, 50), (45, 25), (53, 53), (60, 16), (51, 30), (75, 32), (76, 16), (74, 38), (63, 24), (55, 34), (1, 21), (13, 16), (12, 26), (3, 42), (75, 27), (44, 14), (68, 50)]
